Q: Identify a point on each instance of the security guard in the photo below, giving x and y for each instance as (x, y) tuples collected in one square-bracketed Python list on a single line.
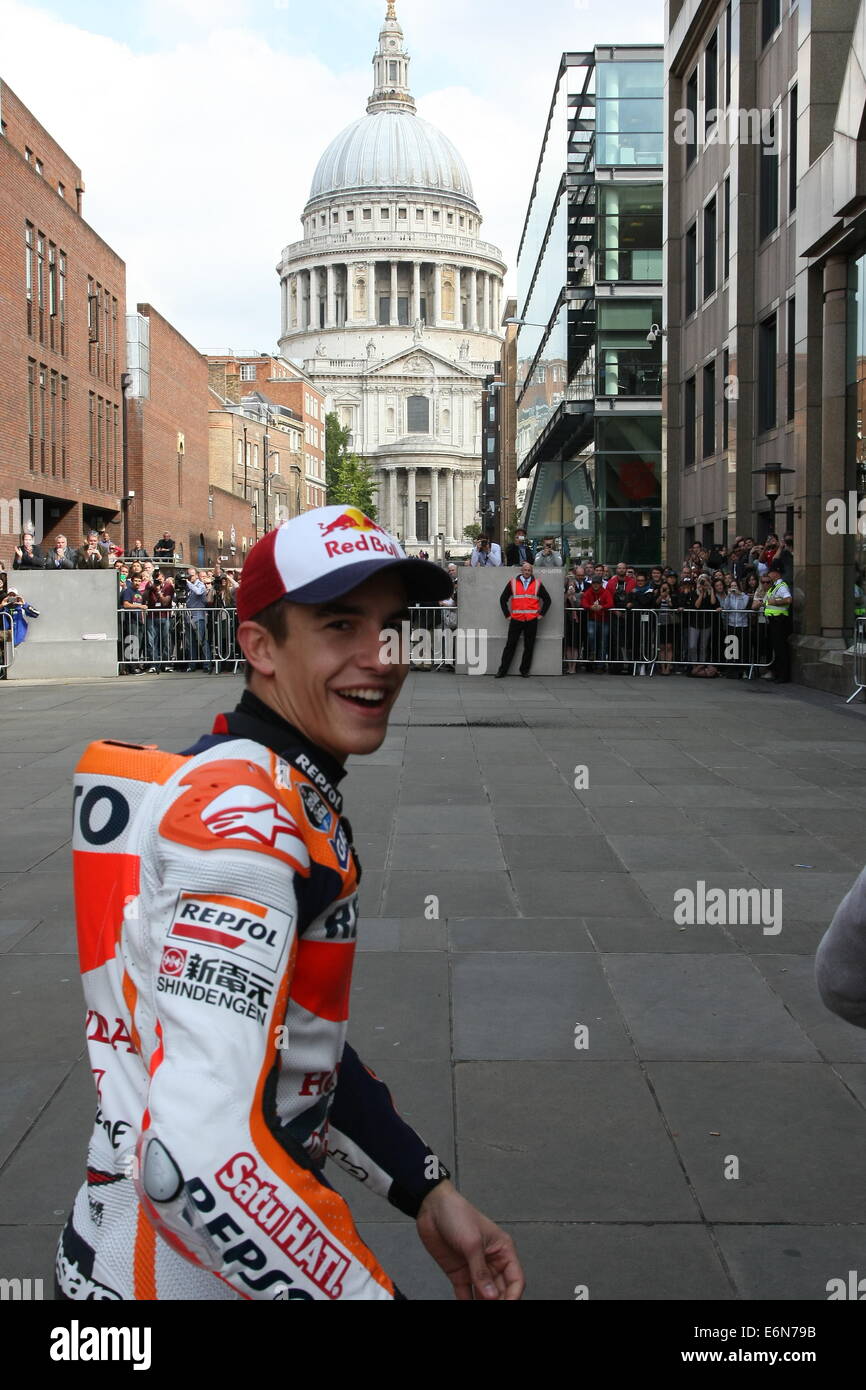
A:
[(777, 610), (523, 601)]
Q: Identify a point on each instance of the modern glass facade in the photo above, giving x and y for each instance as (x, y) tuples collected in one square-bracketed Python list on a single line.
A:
[(589, 295)]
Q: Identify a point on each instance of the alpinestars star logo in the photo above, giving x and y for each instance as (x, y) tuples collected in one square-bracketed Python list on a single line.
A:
[(243, 813)]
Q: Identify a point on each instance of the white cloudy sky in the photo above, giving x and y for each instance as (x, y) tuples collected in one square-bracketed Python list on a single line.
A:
[(198, 123)]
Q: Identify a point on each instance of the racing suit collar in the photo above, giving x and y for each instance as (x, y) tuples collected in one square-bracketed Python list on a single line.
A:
[(253, 718)]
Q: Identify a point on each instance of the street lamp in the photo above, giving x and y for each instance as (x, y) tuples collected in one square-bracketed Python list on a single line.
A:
[(772, 475), (268, 479), (525, 323)]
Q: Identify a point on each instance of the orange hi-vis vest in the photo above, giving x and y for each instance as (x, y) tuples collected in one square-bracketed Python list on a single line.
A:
[(525, 603)]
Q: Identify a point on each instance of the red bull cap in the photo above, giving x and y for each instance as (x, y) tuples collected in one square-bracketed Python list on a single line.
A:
[(322, 554)]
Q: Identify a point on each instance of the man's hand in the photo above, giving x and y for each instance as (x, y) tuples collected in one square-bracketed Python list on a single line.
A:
[(479, 1259)]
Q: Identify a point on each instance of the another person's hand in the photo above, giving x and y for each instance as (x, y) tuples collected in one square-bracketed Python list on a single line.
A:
[(479, 1258)]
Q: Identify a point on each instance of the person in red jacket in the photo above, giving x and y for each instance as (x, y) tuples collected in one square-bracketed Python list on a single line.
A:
[(524, 600), (620, 586), (597, 601)]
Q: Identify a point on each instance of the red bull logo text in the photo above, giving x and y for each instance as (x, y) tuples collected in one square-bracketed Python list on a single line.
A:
[(352, 519)]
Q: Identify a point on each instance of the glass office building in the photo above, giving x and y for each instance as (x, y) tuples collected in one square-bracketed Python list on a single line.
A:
[(589, 299)]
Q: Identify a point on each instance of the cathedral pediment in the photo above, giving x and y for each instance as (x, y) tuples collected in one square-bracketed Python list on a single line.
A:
[(421, 363)]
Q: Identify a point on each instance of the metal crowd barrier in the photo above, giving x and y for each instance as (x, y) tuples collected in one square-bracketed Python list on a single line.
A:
[(859, 658), (177, 639), (432, 638), (639, 640)]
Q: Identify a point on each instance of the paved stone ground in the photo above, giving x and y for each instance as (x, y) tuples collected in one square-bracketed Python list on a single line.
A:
[(555, 909)]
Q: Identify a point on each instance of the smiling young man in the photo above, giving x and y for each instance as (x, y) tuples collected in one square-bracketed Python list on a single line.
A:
[(216, 960)]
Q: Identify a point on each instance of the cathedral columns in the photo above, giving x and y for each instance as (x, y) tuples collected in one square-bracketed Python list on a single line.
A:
[(331, 313), (410, 536), (372, 305), (416, 291), (315, 316), (437, 295), (473, 316), (458, 291), (434, 507), (395, 318), (393, 517), (449, 506), (485, 302)]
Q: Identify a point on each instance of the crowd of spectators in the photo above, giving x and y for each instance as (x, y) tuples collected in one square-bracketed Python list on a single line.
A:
[(717, 594), (175, 618)]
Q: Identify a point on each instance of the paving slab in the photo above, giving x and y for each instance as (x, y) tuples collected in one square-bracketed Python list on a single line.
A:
[(555, 1141), (789, 1126), (534, 1005)]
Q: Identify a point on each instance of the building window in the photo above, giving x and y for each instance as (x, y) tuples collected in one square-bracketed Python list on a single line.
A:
[(691, 269), (769, 181), (31, 413), (419, 214), (418, 415), (726, 371), (436, 215), (711, 81), (28, 155), (402, 213), (384, 310), (770, 18), (367, 214), (248, 372), (690, 415), (61, 190), (385, 213), (767, 374), (451, 219), (61, 299), (692, 117), (710, 248), (37, 165), (728, 56), (29, 271), (792, 357), (726, 228), (792, 149), (91, 437), (64, 424), (40, 284), (350, 216), (709, 416), (392, 72)]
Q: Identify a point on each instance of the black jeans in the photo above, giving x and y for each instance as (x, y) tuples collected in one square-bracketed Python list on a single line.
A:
[(528, 630), (780, 632)]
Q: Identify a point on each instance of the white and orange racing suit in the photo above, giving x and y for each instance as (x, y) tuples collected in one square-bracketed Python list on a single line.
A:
[(216, 904)]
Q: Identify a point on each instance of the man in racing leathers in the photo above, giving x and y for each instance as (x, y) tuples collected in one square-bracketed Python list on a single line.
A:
[(216, 898)]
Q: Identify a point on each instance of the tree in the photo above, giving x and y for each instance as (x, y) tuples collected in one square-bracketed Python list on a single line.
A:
[(472, 531), (353, 484), (336, 448)]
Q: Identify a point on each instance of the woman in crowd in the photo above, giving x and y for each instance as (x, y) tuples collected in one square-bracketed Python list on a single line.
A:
[(665, 605)]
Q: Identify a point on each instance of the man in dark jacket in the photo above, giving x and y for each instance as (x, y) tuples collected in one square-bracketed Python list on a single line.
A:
[(91, 556), (60, 557), (28, 556), (163, 551), (520, 552)]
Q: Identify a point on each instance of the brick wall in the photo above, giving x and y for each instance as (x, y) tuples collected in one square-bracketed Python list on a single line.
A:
[(74, 490), (167, 437)]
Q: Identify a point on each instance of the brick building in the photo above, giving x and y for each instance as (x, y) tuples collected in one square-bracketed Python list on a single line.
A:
[(242, 437), (279, 382), (167, 437), (62, 293)]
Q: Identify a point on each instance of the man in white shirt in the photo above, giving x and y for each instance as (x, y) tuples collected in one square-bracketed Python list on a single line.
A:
[(547, 557), (486, 552)]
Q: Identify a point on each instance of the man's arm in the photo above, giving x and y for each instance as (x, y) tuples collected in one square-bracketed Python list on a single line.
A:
[(504, 599), (545, 599)]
